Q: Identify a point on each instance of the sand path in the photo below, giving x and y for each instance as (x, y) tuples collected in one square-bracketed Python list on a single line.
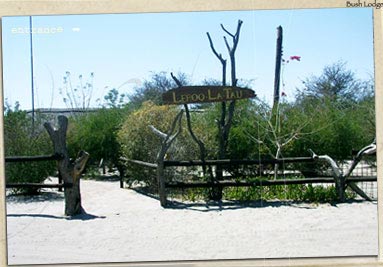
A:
[(123, 225)]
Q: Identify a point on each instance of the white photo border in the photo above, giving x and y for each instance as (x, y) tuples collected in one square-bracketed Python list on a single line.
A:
[(67, 7)]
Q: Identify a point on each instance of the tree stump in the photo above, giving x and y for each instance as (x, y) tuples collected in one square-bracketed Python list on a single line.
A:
[(69, 171)]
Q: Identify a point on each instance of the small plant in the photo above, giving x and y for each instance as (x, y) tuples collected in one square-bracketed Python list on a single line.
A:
[(190, 194), (305, 193), (77, 96)]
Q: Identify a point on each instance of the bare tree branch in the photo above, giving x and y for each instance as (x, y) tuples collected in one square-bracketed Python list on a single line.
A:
[(227, 44), (171, 138), (221, 59), (235, 37), (174, 124), (200, 144), (176, 80), (223, 28), (335, 168), (157, 132), (293, 137), (237, 34), (367, 150), (219, 56), (232, 50)]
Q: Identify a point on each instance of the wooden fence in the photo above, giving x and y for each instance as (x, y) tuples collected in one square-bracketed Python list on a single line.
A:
[(237, 180), (16, 159), (69, 170)]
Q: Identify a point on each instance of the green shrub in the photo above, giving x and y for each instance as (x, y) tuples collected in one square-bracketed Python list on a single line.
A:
[(20, 141), (139, 142), (300, 193), (96, 133)]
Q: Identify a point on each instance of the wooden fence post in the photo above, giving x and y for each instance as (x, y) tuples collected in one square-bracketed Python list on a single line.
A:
[(161, 182), (60, 181), (70, 171)]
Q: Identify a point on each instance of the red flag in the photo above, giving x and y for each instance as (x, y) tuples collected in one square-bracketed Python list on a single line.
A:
[(298, 58)]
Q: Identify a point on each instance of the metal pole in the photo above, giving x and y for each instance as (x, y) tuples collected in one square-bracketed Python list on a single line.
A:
[(32, 79)]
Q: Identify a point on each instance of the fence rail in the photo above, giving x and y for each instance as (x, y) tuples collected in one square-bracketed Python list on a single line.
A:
[(223, 162), (37, 185), (261, 182), (33, 158), (18, 159), (139, 162)]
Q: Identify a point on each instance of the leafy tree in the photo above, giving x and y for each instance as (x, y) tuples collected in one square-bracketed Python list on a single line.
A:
[(336, 83), (325, 117), (152, 89), (341, 112)]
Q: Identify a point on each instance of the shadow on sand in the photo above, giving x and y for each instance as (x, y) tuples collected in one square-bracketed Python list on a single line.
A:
[(83, 216), (106, 178), (41, 197), (235, 205), (208, 206)]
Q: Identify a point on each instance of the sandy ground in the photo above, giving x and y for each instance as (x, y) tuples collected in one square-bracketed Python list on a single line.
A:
[(122, 225)]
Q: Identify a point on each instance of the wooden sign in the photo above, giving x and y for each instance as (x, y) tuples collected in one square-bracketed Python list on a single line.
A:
[(205, 94)]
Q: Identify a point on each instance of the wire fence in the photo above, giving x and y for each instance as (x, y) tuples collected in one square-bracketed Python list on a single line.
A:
[(366, 168)]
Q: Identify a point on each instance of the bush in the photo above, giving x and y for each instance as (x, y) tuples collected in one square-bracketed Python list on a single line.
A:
[(96, 133), (339, 111), (20, 141), (138, 141)]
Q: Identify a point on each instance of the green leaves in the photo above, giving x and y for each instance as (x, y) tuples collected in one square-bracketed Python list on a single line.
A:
[(340, 111), (96, 133)]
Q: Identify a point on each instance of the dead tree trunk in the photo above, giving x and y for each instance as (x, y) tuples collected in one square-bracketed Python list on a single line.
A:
[(341, 180), (367, 150), (275, 110), (69, 171), (278, 62), (225, 122), (167, 140)]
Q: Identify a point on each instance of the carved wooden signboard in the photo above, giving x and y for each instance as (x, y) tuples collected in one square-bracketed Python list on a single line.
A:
[(203, 94)]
